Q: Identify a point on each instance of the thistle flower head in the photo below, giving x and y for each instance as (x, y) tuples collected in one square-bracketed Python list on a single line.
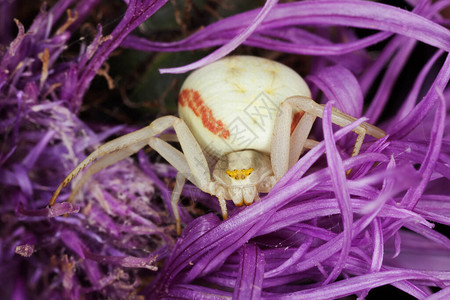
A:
[(322, 232)]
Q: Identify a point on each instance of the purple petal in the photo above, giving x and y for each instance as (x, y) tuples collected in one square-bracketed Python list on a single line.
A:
[(124, 261), (231, 45), (58, 209), (338, 179), (137, 12), (251, 273), (348, 286), (442, 294), (391, 75), (186, 291), (341, 87), (426, 169), (369, 15), (420, 111)]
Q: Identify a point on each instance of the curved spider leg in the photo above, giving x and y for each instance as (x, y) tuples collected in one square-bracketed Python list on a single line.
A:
[(103, 162), (119, 148), (191, 165), (339, 118), (311, 110), (191, 162)]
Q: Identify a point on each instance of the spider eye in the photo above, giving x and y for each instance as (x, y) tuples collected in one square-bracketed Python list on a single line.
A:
[(239, 174)]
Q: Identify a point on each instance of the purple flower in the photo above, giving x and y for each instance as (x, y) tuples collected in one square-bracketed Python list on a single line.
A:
[(318, 234), (102, 245)]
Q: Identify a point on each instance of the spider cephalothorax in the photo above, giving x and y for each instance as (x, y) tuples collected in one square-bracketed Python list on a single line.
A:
[(244, 174), (250, 116)]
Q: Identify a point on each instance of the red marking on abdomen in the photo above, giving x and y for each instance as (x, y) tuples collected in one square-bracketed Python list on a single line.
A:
[(296, 119), (195, 102)]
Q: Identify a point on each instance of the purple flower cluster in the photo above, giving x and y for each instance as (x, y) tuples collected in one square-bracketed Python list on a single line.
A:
[(319, 234)]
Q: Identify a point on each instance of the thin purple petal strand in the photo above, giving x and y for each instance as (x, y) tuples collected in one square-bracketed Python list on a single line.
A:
[(378, 244), (186, 291), (442, 294), (137, 12), (228, 47), (370, 15), (420, 111), (251, 273), (343, 288), (341, 87), (338, 179), (409, 103), (396, 64), (427, 167)]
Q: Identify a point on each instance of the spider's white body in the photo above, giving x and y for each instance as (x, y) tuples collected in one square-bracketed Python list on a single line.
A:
[(231, 104), (251, 115)]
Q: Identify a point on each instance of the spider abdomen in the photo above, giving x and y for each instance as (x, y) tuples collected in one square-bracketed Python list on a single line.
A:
[(231, 104)]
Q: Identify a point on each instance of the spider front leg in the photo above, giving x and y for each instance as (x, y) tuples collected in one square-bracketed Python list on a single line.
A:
[(283, 153), (286, 147), (113, 152), (191, 165)]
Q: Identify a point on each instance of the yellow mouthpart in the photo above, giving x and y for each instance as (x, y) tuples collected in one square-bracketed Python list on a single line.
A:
[(239, 174)]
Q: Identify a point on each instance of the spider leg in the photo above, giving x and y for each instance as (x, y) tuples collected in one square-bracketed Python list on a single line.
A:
[(299, 137), (191, 165), (103, 162), (116, 150), (283, 155), (339, 118), (175, 198), (286, 147), (191, 162)]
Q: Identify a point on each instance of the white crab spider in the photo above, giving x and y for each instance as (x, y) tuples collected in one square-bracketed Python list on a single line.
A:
[(236, 119)]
